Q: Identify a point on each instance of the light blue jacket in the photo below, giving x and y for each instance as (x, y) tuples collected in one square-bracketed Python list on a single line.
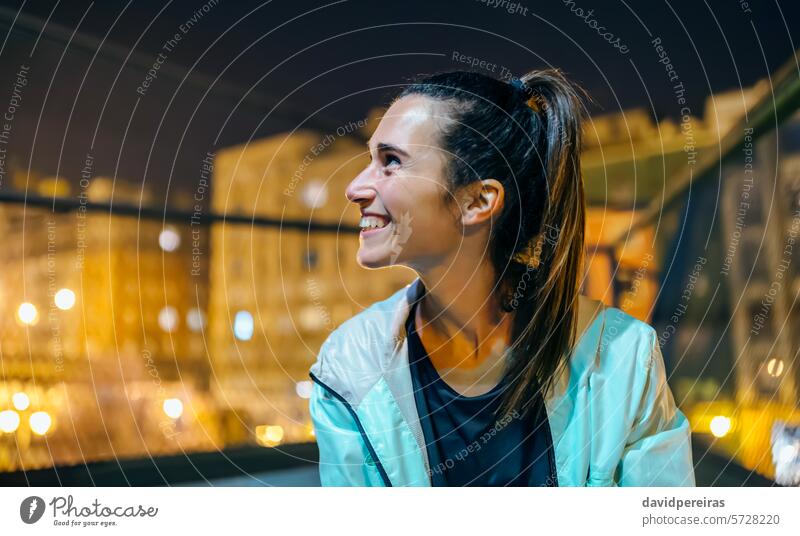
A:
[(613, 419)]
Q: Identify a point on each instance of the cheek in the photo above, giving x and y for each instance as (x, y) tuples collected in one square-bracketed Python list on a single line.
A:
[(432, 223), (419, 209), (420, 194)]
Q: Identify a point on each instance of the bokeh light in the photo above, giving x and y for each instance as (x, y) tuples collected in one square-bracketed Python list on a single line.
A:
[(269, 435), (168, 318), (169, 239), (64, 299), (40, 422), (21, 401), (9, 421), (173, 408), (27, 314), (720, 425), (243, 325)]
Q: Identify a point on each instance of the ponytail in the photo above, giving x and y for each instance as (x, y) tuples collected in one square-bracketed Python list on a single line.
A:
[(546, 318)]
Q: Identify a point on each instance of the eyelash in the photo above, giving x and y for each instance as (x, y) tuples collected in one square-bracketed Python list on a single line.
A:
[(388, 157)]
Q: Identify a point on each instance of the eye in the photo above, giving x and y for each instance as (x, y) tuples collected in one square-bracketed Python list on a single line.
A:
[(391, 159)]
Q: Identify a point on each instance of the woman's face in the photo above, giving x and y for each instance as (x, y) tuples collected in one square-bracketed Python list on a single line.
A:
[(401, 192)]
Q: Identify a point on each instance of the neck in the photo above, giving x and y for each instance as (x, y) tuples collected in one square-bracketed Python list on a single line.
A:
[(460, 310)]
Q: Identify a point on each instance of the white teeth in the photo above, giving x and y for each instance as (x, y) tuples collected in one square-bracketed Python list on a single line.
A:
[(372, 222)]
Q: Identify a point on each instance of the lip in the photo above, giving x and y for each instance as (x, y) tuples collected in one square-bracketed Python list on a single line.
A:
[(370, 232), (384, 217)]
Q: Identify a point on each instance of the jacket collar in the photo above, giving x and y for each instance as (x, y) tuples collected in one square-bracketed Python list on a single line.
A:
[(408, 295)]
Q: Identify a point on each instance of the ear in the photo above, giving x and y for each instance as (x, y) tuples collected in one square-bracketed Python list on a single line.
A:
[(482, 201)]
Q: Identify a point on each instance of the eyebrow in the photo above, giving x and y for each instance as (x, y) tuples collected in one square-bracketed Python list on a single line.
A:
[(384, 147)]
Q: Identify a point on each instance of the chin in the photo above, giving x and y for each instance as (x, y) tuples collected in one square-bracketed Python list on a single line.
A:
[(371, 261)]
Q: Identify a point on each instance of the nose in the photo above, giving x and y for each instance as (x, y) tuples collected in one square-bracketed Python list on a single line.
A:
[(360, 190)]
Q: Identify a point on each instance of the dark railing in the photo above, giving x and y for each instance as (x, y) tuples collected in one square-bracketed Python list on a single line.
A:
[(196, 467), (67, 204)]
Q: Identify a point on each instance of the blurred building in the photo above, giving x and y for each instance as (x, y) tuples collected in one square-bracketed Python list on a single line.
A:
[(97, 324), (725, 314), (629, 160), (760, 262)]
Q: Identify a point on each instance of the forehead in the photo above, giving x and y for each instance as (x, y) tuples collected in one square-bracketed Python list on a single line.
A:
[(411, 120)]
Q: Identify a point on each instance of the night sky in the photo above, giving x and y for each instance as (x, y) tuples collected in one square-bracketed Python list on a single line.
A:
[(248, 69)]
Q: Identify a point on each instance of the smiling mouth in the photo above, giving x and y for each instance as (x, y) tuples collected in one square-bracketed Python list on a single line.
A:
[(372, 223)]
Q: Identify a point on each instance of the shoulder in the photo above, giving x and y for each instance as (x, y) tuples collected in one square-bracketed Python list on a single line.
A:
[(615, 344), (368, 328), (626, 334), (350, 359), (627, 351)]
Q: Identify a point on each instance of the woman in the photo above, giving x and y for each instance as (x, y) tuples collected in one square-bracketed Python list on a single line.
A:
[(490, 369)]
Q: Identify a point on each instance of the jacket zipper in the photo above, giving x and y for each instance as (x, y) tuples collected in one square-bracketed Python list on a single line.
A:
[(361, 430), (551, 451)]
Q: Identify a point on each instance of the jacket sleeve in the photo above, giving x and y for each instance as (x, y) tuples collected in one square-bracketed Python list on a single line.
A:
[(658, 451), (344, 459)]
